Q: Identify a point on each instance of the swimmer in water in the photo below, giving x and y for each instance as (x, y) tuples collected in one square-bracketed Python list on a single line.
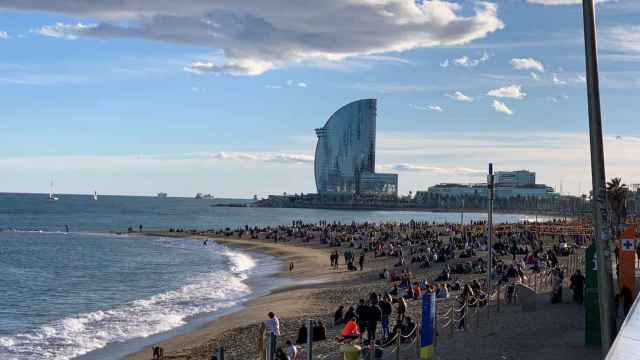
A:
[(205, 243)]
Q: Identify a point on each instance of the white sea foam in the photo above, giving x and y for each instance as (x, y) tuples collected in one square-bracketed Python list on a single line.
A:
[(240, 262), (77, 335)]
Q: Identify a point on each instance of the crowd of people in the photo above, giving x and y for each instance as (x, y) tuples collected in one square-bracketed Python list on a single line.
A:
[(414, 246)]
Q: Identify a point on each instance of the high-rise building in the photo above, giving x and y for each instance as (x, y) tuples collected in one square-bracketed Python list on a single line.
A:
[(346, 153)]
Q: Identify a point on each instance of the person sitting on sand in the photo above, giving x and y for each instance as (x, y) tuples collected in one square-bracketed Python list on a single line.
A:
[(319, 332), (394, 291), (338, 316), (417, 292), (292, 351), (302, 335), (442, 292), (350, 330)]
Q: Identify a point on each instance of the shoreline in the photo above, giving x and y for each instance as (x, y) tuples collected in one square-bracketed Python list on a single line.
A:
[(310, 271)]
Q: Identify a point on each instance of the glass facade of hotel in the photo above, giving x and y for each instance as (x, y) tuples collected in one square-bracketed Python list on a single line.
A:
[(346, 153)]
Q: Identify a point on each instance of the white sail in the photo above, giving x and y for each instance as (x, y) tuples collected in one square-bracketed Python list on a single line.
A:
[(95, 195), (52, 195)]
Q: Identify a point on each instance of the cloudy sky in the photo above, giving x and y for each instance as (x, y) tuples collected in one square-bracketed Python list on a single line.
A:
[(143, 96)]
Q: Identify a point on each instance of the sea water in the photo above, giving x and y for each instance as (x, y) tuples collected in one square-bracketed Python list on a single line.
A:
[(69, 294)]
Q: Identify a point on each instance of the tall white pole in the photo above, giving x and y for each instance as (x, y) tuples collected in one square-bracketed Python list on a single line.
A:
[(490, 185), (602, 236)]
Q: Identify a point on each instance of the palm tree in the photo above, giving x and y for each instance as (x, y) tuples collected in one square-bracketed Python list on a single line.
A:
[(617, 193)]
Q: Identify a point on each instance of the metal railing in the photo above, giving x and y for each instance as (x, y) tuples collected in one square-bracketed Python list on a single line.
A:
[(453, 315)]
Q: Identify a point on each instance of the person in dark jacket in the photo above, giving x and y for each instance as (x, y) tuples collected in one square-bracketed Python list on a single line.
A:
[(577, 285), (338, 317), (374, 316), (386, 308)]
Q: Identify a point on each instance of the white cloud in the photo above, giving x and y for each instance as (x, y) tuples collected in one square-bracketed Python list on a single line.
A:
[(445, 63), (499, 106), (242, 67), (459, 96), (297, 159), (468, 62), (556, 80), (621, 38), (527, 64), (61, 30), (552, 99), (581, 79), (257, 35), (511, 91), (436, 169), (301, 84), (561, 2), (535, 76), (428, 108), (273, 86), (239, 156), (4, 35)]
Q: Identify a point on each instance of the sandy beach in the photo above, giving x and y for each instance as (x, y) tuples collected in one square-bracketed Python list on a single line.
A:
[(551, 332)]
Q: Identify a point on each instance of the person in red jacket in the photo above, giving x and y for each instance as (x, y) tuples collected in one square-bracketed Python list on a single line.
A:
[(350, 330)]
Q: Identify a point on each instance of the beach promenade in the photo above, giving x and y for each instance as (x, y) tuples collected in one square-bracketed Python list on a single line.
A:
[(552, 331)]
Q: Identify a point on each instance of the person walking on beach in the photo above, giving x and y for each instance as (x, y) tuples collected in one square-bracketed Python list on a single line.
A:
[(361, 261), (402, 309), (291, 267), (577, 285), (374, 316), (385, 307)]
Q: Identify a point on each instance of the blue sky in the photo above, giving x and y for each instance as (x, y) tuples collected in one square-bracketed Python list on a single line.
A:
[(222, 97)]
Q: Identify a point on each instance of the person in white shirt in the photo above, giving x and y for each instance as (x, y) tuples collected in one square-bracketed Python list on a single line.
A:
[(273, 324), (292, 351)]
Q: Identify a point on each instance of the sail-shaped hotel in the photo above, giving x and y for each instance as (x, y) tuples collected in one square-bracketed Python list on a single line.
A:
[(346, 153)]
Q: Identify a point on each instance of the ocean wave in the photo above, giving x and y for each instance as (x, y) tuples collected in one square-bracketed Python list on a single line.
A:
[(76, 335), (239, 262)]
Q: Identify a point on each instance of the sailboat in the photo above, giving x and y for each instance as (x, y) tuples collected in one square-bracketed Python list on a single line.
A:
[(95, 195), (52, 196)]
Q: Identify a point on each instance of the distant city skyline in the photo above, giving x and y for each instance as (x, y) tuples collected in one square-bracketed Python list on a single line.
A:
[(137, 98)]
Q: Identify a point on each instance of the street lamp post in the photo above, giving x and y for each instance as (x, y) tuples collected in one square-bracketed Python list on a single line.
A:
[(602, 234), (490, 186)]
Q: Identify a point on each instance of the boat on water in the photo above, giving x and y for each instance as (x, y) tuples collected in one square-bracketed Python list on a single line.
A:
[(95, 195), (52, 195), (162, 194), (204, 196)]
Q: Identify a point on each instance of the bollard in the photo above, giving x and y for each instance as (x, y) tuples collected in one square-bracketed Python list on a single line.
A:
[(271, 346), (435, 327), (451, 322), (221, 353), (466, 313), (262, 346), (419, 331), (309, 339), (398, 347), (488, 307)]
